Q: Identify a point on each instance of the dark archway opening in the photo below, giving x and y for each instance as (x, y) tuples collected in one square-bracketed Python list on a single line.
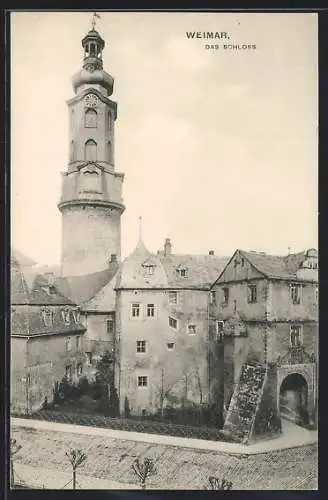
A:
[(293, 399)]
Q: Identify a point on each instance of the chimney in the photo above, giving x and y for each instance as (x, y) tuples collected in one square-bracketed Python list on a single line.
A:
[(113, 257), (211, 252), (167, 247)]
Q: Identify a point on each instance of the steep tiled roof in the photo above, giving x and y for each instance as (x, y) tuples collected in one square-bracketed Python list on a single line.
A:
[(201, 270), (80, 289), (28, 322), (30, 287), (276, 266)]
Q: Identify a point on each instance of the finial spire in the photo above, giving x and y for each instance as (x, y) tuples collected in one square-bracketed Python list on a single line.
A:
[(140, 228), (93, 22)]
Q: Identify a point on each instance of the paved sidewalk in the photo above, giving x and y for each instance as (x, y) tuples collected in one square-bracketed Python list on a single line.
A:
[(292, 437), (39, 478)]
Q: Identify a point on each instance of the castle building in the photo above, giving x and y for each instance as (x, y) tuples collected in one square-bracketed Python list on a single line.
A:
[(237, 334)]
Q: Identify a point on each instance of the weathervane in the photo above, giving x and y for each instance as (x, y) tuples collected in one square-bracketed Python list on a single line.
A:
[(94, 17)]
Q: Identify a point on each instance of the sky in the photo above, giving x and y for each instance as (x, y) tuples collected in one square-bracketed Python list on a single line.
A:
[(218, 147)]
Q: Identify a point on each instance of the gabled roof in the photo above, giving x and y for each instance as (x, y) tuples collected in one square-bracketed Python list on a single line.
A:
[(273, 266)]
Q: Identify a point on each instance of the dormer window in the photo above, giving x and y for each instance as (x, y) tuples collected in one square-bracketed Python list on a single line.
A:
[(47, 316), (66, 313), (149, 270), (182, 272)]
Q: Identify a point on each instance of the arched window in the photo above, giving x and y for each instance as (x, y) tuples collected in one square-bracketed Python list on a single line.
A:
[(109, 151), (90, 150), (90, 118), (92, 49)]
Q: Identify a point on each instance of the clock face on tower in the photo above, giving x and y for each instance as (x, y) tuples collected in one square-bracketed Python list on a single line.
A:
[(91, 100)]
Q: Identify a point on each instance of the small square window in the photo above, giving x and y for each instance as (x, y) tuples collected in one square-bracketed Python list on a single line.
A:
[(135, 310), (142, 381), (173, 323), (173, 298), (141, 346), (192, 329), (150, 310), (149, 270), (170, 346)]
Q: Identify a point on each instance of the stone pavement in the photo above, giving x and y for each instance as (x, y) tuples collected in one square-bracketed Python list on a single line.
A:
[(42, 462), (292, 436)]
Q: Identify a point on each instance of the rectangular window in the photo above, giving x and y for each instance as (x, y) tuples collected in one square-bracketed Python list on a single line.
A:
[(150, 310), (68, 343), (135, 310), (173, 323), (141, 346), (148, 270), (296, 337), (110, 325), (213, 297), (170, 346), (183, 273), (142, 381), (252, 293), (192, 329), (173, 298), (89, 358), (225, 295), (295, 293), (77, 340), (79, 369), (68, 373), (219, 330)]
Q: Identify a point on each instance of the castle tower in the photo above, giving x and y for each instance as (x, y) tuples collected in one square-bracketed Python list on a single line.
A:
[(91, 202)]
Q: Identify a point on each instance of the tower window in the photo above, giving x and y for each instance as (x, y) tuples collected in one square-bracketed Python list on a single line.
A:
[(90, 151), (90, 118), (92, 49)]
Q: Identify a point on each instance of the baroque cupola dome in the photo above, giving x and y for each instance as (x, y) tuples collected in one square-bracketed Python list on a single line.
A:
[(92, 72)]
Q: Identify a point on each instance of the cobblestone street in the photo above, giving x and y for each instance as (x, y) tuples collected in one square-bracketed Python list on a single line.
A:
[(109, 461)]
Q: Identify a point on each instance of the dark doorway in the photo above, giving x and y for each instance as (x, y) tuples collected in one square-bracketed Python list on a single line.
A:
[(293, 400)]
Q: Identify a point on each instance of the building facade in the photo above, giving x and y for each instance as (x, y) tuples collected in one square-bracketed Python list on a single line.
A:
[(265, 309), (46, 338)]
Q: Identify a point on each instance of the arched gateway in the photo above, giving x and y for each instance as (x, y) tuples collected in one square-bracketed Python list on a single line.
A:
[(293, 399)]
